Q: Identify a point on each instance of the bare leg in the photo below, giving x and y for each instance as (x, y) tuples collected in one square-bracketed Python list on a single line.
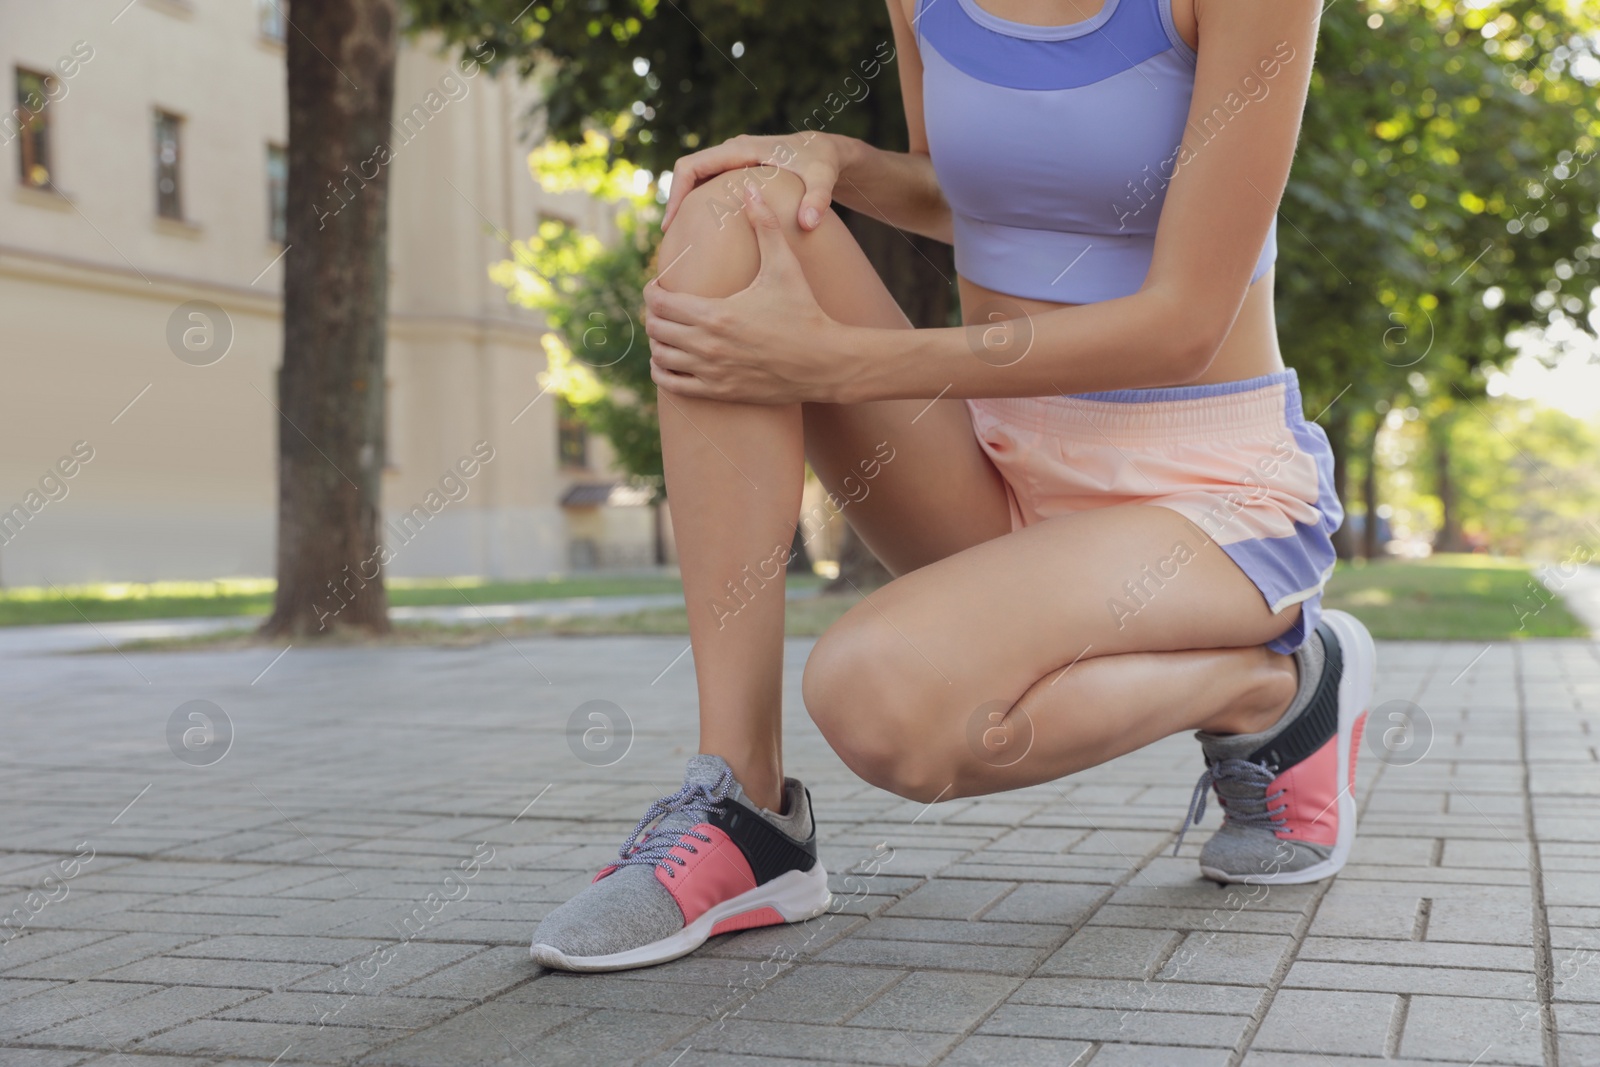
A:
[(1153, 694), (731, 516), (735, 473), (721, 528), (937, 685)]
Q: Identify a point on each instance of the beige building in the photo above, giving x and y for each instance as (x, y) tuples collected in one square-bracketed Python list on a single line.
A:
[(143, 172)]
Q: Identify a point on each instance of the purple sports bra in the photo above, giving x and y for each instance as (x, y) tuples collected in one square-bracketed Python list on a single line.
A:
[(1054, 145)]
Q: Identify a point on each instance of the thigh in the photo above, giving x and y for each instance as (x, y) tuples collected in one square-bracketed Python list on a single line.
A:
[(988, 623), (910, 477)]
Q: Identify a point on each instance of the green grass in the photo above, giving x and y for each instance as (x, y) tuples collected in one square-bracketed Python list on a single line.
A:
[(1460, 598), (110, 602), (1450, 598)]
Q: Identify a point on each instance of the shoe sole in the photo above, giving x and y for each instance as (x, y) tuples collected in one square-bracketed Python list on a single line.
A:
[(796, 895), (1355, 699)]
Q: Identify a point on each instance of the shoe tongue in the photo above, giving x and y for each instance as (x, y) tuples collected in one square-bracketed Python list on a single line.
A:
[(1218, 748), (1232, 789), (702, 770), (1229, 746), (708, 771)]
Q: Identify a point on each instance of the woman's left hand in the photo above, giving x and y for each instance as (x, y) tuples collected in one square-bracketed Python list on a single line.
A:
[(769, 343)]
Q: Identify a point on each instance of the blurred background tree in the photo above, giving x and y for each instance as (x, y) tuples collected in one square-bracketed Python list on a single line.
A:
[(1524, 476), (659, 82), (589, 293), (1444, 194), (330, 385)]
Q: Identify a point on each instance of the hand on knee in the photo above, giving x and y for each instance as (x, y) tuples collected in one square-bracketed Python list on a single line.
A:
[(713, 218), (711, 249), (719, 203)]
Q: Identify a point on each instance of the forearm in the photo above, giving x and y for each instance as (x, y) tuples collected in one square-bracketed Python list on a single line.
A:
[(897, 188), (1148, 339), (1154, 337)]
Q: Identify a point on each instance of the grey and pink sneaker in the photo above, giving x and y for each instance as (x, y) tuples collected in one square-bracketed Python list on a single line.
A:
[(703, 861), (1288, 793)]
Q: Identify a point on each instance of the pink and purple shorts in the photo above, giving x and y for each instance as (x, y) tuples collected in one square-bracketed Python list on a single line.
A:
[(1237, 459)]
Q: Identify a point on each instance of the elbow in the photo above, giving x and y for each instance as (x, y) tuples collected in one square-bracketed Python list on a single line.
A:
[(932, 208), (1192, 339), (1192, 356), (938, 222)]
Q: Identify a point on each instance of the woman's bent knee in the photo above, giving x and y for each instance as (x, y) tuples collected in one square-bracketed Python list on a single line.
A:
[(719, 203), (715, 211), (711, 247), (874, 716)]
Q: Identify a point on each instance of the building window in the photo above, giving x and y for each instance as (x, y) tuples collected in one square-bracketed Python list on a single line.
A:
[(277, 193), (31, 122), (572, 437), (273, 18), (169, 199)]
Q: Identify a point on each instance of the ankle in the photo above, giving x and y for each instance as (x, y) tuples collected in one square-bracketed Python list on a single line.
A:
[(768, 795), (1267, 694), (760, 778)]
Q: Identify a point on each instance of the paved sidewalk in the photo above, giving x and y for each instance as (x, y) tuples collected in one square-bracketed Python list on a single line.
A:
[(306, 897)]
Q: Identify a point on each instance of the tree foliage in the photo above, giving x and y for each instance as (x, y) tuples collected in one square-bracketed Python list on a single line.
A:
[(1526, 475), (691, 73), (1447, 151), (1444, 193), (589, 293)]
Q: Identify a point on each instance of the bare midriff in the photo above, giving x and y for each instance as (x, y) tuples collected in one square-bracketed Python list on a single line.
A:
[(1249, 351)]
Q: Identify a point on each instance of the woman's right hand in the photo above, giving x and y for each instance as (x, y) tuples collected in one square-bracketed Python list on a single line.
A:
[(816, 157)]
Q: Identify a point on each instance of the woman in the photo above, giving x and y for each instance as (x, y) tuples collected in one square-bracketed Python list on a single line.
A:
[(1108, 516)]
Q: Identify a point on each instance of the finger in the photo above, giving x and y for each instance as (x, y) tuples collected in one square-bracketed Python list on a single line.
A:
[(693, 170), (675, 334), (819, 195), (679, 307), (687, 174), (777, 258), (678, 382), (683, 385), (675, 360)]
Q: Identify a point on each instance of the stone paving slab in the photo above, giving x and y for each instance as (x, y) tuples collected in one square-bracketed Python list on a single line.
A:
[(284, 903)]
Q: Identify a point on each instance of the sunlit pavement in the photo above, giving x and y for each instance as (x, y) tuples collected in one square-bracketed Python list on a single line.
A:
[(338, 856)]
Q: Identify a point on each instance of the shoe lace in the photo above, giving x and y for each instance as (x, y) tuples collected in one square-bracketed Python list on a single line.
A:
[(654, 846), (1242, 810)]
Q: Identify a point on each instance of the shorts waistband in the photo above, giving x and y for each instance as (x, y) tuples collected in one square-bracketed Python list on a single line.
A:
[(1250, 407)]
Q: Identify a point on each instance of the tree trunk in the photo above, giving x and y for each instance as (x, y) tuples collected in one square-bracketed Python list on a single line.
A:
[(919, 273), (341, 58), (1449, 538), (859, 569), (799, 555), (1338, 429), (1369, 493)]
